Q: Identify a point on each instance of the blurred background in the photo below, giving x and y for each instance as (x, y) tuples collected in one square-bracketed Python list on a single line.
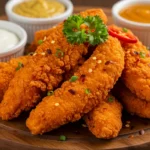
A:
[(96, 3)]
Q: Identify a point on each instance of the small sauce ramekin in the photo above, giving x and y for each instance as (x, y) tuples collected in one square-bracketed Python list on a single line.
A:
[(141, 30), (31, 25), (18, 49)]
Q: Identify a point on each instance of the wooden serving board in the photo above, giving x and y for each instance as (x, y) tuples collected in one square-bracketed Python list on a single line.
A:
[(15, 135)]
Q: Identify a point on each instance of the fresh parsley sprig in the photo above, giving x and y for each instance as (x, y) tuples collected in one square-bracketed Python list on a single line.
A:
[(80, 30), (72, 30), (97, 32)]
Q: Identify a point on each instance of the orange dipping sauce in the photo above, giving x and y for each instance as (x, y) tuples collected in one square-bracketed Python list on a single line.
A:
[(137, 13)]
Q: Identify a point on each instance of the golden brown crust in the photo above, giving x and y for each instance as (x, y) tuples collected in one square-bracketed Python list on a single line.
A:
[(94, 12), (137, 67), (104, 121), (43, 72), (136, 73), (7, 71), (43, 34), (131, 102), (70, 102)]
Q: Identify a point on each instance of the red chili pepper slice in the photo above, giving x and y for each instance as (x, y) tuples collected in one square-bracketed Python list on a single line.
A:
[(121, 35)]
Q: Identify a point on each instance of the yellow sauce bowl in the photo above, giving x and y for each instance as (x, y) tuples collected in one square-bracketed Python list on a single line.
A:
[(31, 25), (141, 30)]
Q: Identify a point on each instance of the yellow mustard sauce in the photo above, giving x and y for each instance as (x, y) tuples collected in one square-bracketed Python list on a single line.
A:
[(39, 8), (137, 13)]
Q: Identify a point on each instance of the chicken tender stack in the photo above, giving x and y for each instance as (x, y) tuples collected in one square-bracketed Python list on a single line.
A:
[(93, 81), (137, 67), (136, 77), (8, 69), (104, 121), (134, 91), (44, 71)]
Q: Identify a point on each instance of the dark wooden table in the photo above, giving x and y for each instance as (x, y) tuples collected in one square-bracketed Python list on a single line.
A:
[(100, 3)]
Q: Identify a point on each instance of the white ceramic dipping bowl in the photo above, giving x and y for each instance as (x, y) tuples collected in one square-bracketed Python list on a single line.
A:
[(31, 25), (141, 30), (18, 49)]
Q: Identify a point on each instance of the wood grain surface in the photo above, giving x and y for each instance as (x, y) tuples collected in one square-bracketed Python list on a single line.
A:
[(14, 134)]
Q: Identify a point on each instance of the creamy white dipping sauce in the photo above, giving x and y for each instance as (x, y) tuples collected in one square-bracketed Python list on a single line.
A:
[(7, 40)]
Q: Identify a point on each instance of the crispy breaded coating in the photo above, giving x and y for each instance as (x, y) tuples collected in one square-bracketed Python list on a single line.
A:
[(95, 12), (104, 121), (43, 34), (69, 74), (39, 35), (131, 102), (7, 71), (74, 99), (137, 67), (45, 71)]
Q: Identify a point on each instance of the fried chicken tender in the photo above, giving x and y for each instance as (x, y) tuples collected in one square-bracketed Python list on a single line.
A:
[(95, 12), (43, 34), (39, 35), (131, 102), (74, 99), (7, 71), (44, 72), (137, 67), (104, 121)]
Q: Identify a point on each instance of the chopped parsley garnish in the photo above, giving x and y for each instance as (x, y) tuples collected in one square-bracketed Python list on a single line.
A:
[(87, 91), (62, 138), (73, 78), (90, 29), (50, 93), (142, 54), (20, 65), (124, 29), (59, 53), (110, 99), (40, 42)]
